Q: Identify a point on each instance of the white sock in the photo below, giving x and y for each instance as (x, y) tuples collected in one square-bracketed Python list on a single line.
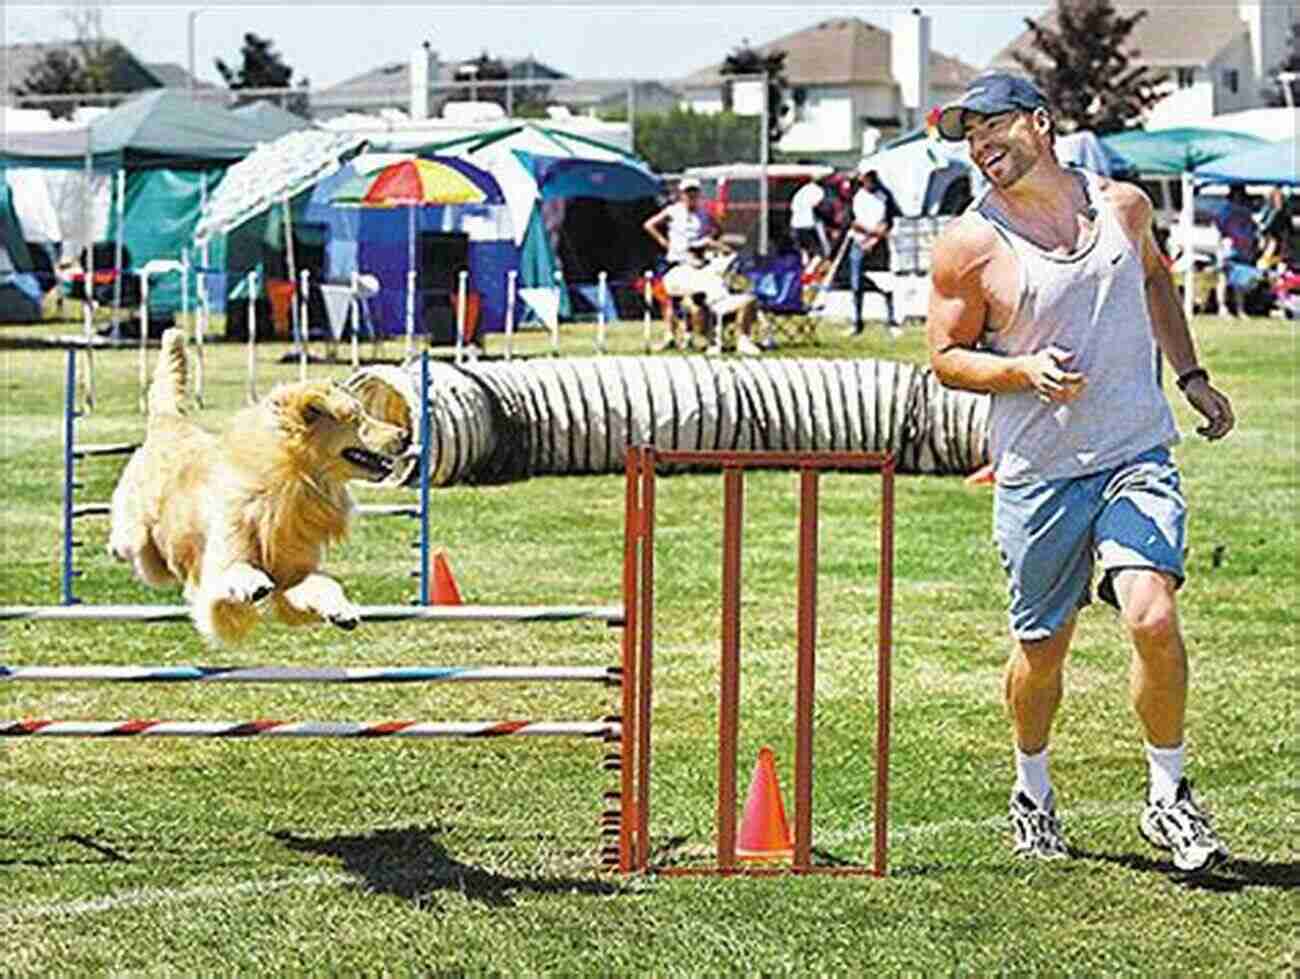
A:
[(1165, 767), (1031, 775)]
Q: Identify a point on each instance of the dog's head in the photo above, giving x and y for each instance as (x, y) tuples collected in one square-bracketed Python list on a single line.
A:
[(332, 432), (386, 392)]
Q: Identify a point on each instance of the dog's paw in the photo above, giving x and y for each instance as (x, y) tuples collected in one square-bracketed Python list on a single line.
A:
[(244, 584), (348, 620)]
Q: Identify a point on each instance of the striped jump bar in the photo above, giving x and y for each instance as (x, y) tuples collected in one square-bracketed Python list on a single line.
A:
[(610, 675), (41, 728), (612, 614)]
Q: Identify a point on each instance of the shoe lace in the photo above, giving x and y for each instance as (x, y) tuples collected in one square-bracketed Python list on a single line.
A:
[(1198, 823)]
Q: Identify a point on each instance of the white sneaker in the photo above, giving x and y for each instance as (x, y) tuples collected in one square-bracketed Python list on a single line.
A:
[(746, 346), (1036, 829), (1183, 829)]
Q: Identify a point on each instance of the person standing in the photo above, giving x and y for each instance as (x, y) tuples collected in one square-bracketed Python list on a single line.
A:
[(1050, 294), (1236, 253), (869, 246), (806, 224), (682, 229)]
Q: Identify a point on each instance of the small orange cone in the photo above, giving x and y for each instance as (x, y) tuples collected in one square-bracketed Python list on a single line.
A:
[(981, 477), (443, 583), (764, 833)]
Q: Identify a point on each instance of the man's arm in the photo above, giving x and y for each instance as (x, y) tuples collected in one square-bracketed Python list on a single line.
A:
[(1168, 323), (652, 226), (956, 318)]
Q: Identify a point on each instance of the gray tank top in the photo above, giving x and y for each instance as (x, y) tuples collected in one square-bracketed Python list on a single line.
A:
[(1091, 302)]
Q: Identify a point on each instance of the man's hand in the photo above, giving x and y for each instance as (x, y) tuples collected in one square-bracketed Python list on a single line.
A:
[(1213, 406), (1047, 374)]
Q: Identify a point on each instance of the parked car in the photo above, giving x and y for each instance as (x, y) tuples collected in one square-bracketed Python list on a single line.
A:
[(732, 192)]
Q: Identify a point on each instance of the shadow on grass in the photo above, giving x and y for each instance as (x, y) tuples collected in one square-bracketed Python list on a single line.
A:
[(411, 864), (1235, 875), (107, 854)]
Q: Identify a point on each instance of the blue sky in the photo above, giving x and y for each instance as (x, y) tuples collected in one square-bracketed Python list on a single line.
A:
[(328, 42)]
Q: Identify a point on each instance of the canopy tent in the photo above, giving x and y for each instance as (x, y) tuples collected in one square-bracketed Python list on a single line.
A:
[(375, 241), (1274, 163), (270, 117), (1173, 151), (158, 132), (20, 291), (541, 167), (924, 172)]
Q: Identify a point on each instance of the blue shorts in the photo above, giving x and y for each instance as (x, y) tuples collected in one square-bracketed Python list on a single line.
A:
[(1051, 533)]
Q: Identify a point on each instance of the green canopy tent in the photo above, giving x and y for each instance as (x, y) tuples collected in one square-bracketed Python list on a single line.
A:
[(20, 291), (1178, 152), (1167, 152), (168, 152)]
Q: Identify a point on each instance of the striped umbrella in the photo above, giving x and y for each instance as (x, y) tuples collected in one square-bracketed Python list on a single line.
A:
[(418, 182)]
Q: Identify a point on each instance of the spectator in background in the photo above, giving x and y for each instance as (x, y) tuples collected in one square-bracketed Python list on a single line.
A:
[(806, 222), (869, 249), (1275, 231), (1236, 254), (683, 230)]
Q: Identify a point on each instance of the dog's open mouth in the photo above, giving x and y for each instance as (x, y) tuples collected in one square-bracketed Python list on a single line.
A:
[(370, 461)]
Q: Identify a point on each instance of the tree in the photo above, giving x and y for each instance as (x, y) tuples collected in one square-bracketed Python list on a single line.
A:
[(672, 141), (1275, 94), (86, 65), (474, 74), (263, 68), (1085, 70), (745, 60)]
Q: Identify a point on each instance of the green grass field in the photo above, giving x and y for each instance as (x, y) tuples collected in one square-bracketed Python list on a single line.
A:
[(189, 857)]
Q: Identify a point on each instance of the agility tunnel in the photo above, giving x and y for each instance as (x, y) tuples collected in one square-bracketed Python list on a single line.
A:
[(502, 421)]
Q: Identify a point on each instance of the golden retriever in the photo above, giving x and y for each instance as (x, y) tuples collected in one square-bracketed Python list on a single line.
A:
[(245, 516)]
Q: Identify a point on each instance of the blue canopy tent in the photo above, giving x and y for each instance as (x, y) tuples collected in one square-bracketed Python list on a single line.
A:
[(375, 241), (568, 197), (1274, 163)]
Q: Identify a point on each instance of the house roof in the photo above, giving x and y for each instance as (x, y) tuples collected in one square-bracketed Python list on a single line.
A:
[(393, 80), (172, 75), (1167, 37), (126, 74), (844, 50)]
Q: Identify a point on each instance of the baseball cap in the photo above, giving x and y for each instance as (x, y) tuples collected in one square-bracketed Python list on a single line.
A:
[(988, 95), (689, 183)]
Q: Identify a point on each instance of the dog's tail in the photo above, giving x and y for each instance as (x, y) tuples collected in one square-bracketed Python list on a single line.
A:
[(171, 378)]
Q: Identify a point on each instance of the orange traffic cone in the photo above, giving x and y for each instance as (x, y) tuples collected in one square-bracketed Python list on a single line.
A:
[(764, 833), (443, 583), (981, 477)]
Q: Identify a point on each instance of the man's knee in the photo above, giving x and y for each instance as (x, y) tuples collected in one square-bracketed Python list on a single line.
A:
[(1148, 606)]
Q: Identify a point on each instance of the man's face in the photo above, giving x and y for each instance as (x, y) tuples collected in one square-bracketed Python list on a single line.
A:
[(1004, 146), (691, 195)]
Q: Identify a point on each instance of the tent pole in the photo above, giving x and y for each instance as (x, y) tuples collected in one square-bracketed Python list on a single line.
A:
[(290, 270), (602, 328), (555, 323), (120, 186)]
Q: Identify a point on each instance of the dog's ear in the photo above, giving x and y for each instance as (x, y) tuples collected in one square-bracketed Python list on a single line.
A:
[(306, 403)]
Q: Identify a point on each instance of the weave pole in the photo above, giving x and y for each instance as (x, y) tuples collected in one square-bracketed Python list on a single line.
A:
[(641, 470)]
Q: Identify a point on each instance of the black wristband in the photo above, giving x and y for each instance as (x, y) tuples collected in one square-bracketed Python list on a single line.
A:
[(1187, 377)]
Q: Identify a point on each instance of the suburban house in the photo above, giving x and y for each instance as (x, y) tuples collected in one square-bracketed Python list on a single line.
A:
[(390, 86), (126, 73), (1215, 57), (846, 84)]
